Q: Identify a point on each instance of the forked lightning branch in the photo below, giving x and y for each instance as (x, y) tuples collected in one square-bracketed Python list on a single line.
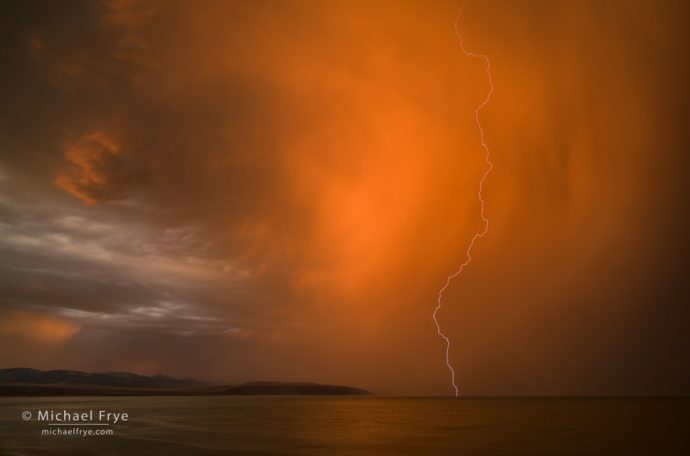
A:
[(480, 196)]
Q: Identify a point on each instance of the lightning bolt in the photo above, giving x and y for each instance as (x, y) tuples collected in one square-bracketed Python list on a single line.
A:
[(485, 220)]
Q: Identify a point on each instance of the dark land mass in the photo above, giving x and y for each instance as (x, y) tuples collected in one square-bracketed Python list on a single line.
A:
[(32, 382)]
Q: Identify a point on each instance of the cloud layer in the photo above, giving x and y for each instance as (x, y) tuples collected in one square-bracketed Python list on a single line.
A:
[(277, 191)]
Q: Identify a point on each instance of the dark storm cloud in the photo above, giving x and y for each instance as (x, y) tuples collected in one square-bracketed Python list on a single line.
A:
[(278, 189), (122, 276), (82, 109), (113, 89), (57, 75)]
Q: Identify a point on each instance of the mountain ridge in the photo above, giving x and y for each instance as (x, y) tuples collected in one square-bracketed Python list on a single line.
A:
[(22, 381)]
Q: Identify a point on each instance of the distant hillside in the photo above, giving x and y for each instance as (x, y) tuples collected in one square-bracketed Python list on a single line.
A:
[(20, 375), (32, 382), (282, 388)]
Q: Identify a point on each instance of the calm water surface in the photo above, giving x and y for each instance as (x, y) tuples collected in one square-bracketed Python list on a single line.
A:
[(334, 426)]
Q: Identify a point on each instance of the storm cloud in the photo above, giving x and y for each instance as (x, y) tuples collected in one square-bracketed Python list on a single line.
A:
[(278, 190)]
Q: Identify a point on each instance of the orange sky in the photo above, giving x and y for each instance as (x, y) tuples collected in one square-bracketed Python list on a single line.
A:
[(277, 192)]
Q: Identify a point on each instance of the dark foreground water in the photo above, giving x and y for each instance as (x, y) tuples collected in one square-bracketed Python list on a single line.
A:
[(333, 426)]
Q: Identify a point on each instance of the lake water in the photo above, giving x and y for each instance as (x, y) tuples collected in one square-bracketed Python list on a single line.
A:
[(334, 426)]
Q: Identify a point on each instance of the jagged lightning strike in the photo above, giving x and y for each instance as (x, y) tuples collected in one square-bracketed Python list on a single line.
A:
[(485, 220)]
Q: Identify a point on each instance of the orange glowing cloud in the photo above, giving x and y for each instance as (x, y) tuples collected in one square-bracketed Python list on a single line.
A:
[(41, 328), (307, 172), (87, 179)]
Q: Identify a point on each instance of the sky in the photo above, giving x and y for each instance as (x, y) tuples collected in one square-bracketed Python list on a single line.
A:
[(237, 191)]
